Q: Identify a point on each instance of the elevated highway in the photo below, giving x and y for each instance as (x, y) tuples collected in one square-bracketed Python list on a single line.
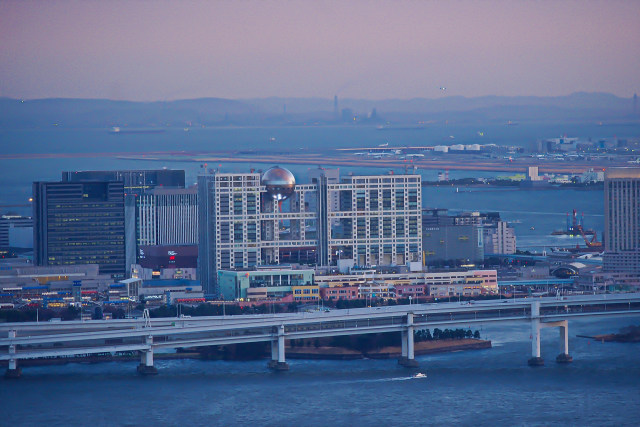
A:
[(54, 339)]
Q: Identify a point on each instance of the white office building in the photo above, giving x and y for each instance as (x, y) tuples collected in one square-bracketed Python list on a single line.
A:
[(167, 216), (246, 221)]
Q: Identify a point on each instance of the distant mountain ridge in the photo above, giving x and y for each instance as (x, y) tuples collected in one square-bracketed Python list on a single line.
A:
[(581, 100), (71, 112)]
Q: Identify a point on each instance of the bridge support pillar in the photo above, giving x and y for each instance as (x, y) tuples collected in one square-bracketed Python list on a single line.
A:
[(535, 360), (278, 362), (12, 370), (146, 360), (564, 357), (408, 357)]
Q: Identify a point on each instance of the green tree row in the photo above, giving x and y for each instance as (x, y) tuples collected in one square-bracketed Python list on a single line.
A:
[(447, 334)]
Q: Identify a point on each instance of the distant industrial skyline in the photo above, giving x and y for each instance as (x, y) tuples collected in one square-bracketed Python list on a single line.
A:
[(146, 51)]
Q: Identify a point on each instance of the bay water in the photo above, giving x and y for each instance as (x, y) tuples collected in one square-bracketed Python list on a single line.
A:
[(481, 388)]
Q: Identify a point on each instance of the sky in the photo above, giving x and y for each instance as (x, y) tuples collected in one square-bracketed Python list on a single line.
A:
[(166, 50)]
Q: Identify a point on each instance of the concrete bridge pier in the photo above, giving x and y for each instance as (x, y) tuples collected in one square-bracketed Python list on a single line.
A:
[(12, 370), (404, 341), (563, 326), (408, 357), (535, 360), (146, 360), (277, 362)]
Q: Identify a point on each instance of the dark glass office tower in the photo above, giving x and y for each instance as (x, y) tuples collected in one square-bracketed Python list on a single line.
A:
[(80, 223), (136, 183)]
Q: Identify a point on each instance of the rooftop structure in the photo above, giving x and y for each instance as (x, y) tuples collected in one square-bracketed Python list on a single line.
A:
[(279, 183), (133, 180)]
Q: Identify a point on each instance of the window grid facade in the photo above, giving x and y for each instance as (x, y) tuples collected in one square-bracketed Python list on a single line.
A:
[(374, 220), (622, 220), (80, 223), (167, 217), (377, 220)]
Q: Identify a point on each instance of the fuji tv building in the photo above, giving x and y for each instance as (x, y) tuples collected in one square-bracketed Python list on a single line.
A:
[(248, 220)]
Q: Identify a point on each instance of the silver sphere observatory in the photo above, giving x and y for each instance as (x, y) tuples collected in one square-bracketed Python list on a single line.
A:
[(279, 183)]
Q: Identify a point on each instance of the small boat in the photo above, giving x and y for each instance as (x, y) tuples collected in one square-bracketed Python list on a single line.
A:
[(420, 375), (116, 130)]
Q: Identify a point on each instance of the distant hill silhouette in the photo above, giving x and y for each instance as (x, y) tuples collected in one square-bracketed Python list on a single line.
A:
[(68, 112)]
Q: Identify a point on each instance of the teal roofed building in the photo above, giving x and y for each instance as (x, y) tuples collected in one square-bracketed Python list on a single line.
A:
[(262, 282)]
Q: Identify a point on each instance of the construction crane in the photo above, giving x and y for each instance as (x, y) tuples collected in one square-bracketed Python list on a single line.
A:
[(592, 244)]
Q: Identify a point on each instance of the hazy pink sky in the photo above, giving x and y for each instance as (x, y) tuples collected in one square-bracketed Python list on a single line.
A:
[(164, 50)]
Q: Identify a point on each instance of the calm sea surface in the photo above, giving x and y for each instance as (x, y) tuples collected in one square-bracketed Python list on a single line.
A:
[(486, 387), (483, 387), (543, 210)]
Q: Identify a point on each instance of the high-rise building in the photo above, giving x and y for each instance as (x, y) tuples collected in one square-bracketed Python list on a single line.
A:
[(333, 177), (80, 223), (622, 220), (136, 183), (364, 220), (16, 231), (499, 238), (229, 224), (379, 221), (167, 216)]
